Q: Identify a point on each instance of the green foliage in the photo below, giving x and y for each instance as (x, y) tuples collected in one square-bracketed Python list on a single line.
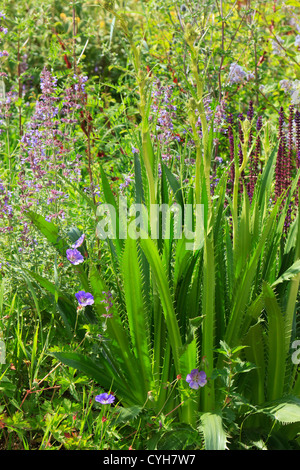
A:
[(149, 126)]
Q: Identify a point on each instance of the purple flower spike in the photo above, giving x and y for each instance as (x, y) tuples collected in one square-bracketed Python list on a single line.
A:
[(74, 256), (79, 242), (196, 379), (105, 399), (84, 298)]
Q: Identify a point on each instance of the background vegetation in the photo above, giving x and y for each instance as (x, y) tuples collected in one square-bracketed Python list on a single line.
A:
[(159, 102)]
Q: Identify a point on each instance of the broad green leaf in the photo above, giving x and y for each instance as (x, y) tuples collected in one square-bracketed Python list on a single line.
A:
[(49, 230), (208, 324), (285, 410), (255, 353), (241, 293), (161, 281), (136, 314), (276, 345), (126, 415), (109, 199), (118, 347), (288, 274), (175, 186), (211, 426), (139, 194)]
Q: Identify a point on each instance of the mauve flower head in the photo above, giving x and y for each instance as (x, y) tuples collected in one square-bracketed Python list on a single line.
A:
[(108, 302), (277, 49), (74, 256), (105, 398), (293, 88), (238, 75), (196, 379), (84, 298), (79, 242)]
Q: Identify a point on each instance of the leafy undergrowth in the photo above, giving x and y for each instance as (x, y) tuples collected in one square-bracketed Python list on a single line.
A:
[(149, 225)]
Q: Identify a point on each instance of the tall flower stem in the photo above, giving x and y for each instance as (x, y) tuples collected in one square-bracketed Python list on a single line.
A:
[(142, 79), (246, 151), (203, 167), (147, 156), (202, 163)]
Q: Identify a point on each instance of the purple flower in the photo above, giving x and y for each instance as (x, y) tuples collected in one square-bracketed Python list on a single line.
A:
[(276, 46), (127, 181), (108, 303), (74, 256), (105, 398), (238, 75), (196, 379), (79, 242), (84, 298)]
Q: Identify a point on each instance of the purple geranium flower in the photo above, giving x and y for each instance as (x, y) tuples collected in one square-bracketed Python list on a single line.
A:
[(84, 298), (105, 398), (196, 379), (79, 242), (74, 256)]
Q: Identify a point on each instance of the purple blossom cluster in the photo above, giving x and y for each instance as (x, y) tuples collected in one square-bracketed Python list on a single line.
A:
[(214, 117), (276, 46), (6, 210), (74, 97), (127, 181), (3, 31), (238, 75), (288, 155), (293, 88), (220, 116), (294, 23), (46, 149), (164, 111), (288, 150), (108, 304), (284, 161)]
